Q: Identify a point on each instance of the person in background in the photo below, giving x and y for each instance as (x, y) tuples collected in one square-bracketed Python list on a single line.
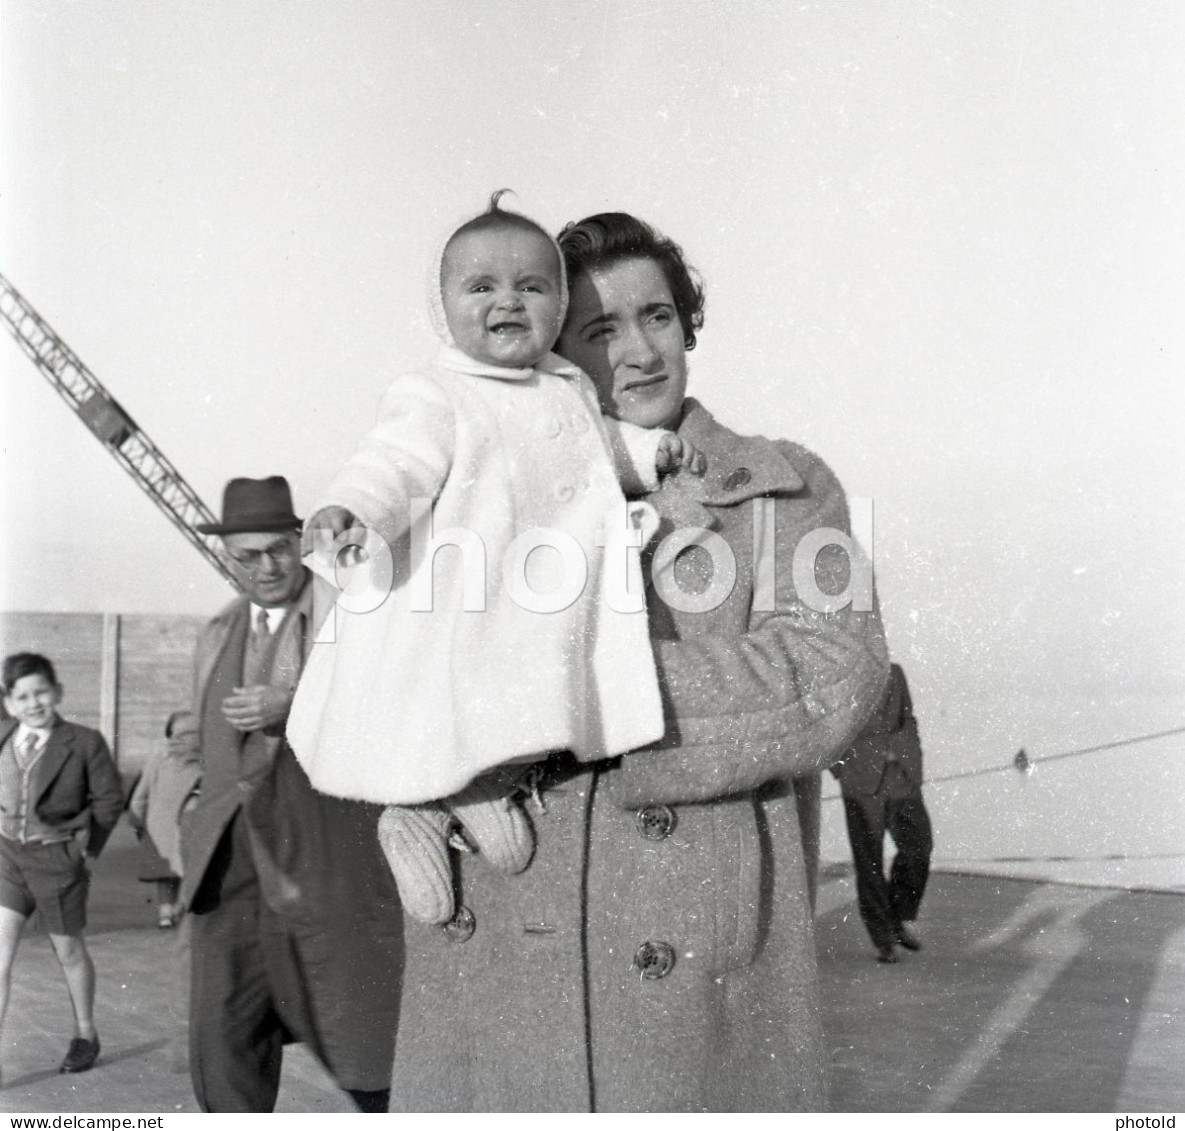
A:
[(295, 927), (169, 782), (60, 797), (880, 777)]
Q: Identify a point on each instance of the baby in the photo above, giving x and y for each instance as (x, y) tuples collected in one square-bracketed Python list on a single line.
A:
[(513, 641)]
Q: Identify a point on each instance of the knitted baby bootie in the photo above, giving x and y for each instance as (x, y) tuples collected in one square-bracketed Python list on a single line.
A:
[(414, 839)]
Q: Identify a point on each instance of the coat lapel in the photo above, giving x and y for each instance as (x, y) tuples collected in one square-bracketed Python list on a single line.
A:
[(739, 468), (220, 637), (57, 750)]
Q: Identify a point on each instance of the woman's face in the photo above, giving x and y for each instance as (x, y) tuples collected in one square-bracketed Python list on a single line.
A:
[(623, 331)]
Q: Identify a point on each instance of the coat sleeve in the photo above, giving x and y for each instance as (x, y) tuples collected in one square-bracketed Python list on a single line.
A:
[(406, 455), (780, 700), (105, 794)]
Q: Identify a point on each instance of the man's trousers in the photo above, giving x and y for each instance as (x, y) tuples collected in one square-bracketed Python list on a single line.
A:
[(259, 981), (885, 904)]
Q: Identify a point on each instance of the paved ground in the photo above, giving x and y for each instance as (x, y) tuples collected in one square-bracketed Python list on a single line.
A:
[(1027, 997)]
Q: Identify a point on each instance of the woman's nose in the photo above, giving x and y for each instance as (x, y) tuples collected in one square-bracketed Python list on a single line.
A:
[(641, 352)]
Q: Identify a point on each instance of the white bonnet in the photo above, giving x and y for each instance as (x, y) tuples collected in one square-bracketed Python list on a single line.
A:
[(436, 300)]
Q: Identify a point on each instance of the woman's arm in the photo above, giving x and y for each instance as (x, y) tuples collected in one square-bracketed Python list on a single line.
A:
[(784, 698)]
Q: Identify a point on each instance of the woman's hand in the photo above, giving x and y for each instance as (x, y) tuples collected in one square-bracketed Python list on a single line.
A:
[(675, 454)]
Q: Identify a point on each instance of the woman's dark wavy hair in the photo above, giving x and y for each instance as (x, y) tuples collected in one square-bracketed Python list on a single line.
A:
[(609, 237)]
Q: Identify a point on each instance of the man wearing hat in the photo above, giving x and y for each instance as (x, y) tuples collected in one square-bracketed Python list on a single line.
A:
[(296, 927)]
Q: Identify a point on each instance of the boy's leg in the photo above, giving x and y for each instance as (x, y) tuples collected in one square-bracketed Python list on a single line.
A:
[(11, 924), (76, 964)]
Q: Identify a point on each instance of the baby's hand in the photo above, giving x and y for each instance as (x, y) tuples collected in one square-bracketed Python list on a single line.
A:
[(675, 453), (325, 528)]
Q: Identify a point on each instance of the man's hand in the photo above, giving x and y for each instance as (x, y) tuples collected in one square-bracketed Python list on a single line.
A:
[(257, 707), (675, 453)]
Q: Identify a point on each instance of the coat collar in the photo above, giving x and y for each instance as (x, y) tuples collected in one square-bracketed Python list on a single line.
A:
[(238, 613), (455, 361), (739, 468)]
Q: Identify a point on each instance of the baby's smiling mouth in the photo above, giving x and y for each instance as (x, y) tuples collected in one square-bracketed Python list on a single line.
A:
[(509, 327)]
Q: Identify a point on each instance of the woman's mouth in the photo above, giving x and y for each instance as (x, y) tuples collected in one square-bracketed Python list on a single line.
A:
[(645, 382)]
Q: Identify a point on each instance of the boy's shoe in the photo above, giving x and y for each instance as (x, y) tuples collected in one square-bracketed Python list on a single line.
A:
[(907, 936), (886, 953), (81, 1055)]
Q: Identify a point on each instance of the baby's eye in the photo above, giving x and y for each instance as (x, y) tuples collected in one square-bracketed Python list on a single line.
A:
[(479, 288), (533, 288)]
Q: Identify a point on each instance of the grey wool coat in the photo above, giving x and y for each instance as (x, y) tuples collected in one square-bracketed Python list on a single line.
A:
[(658, 953)]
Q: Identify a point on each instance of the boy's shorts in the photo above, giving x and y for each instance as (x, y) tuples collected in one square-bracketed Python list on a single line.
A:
[(49, 877)]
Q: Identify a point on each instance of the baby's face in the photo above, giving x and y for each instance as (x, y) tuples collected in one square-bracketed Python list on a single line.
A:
[(501, 292)]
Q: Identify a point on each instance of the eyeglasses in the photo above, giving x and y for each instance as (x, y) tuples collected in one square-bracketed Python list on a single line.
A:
[(276, 553)]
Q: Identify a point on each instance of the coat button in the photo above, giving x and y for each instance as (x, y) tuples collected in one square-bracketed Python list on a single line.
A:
[(655, 960), (738, 479), (564, 492), (245, 787), (655, 822), (580, 425), (461, 926), (553, 426)]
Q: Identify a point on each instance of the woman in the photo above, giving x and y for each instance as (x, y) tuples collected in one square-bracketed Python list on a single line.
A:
[(658, 953)]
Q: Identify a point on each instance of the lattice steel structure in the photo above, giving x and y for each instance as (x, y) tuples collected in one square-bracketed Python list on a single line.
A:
[(110, 423)]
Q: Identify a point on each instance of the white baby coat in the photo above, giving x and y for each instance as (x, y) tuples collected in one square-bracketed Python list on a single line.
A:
[(412, 700)]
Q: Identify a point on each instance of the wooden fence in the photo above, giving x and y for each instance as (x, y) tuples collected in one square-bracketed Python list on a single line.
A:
[(123, 673)]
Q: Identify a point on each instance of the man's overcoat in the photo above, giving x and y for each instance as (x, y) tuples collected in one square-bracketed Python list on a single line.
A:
[(317, 857)]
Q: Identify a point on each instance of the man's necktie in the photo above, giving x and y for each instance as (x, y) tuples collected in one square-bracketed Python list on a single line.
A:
[(257, 646)]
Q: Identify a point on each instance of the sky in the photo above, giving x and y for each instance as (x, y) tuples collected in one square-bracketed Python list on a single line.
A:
[(943, 243)]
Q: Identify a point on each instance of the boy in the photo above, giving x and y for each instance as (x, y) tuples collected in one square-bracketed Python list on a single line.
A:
[(57, 781)]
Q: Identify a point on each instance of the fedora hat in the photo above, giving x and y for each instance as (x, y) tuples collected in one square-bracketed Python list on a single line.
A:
[(254, 506)]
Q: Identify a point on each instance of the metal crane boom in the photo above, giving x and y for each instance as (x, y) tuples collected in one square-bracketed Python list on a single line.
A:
[(110, 423)]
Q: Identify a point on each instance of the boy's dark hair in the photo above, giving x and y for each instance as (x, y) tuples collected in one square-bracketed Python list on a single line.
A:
[(610, 237), (21, 664), (493, 217)]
